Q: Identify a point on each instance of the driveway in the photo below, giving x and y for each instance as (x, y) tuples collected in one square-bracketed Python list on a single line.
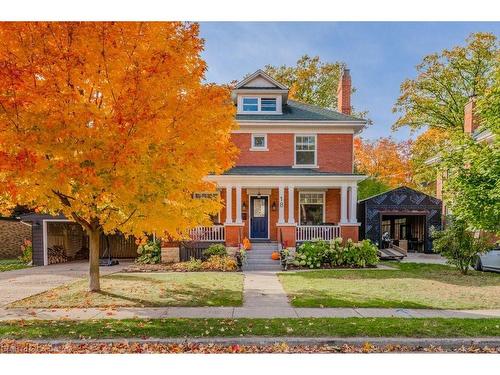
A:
[(19, 284), (424, 258)]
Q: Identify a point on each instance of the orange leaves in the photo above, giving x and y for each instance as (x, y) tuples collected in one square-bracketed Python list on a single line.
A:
[(384, 159), (114, 116)]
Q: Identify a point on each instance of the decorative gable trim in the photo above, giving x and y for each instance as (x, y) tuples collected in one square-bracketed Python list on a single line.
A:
[(260, 73)]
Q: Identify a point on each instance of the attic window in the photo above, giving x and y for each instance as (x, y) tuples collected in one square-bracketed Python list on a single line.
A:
[(250, 104), (258, 104), (268, 104)]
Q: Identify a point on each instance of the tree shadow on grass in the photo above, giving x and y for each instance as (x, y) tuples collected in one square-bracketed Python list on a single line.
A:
[(191, 296), (435, 272), (309, 298)]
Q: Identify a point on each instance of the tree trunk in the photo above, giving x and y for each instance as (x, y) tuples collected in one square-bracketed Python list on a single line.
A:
[(94, 237)]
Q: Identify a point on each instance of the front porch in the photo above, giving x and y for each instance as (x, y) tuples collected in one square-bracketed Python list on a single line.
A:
[(283, 209)]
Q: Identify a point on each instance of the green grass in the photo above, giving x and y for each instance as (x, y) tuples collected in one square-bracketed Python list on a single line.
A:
[(320, 327), (146, 290), (11, 264), (410, 285)]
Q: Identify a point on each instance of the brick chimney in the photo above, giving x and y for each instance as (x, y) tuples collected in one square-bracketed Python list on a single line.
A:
[(344, 93), (471, 122)]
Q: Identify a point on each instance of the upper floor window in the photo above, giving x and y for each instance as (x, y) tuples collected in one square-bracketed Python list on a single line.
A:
[(268, 104), (305, 150), (250, 104), (259, 142), (258, 104)]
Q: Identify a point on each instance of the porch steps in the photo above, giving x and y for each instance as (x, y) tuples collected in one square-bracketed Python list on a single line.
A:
[(259, 257)]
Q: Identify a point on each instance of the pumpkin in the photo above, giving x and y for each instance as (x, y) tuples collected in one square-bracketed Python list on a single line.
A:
[(275, 255), (247, 244)]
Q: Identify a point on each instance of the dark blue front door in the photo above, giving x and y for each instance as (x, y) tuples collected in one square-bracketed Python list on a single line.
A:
[(258, 217)]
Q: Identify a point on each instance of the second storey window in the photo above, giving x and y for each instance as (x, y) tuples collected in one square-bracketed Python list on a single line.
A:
[(305, 150), (250, 104), (259, 142)]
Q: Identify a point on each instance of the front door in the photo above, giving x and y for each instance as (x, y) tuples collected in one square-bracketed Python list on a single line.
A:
[(258, 218)]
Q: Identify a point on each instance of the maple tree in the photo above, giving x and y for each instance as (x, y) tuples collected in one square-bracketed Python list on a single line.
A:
[(426, 146), (437, 96), (111, 124), (384, 160)]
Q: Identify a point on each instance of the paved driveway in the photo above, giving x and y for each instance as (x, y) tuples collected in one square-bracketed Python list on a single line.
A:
[(424, 258), (19, 284)]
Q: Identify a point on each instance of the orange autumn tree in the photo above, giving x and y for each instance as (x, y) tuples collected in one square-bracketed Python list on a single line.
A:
[(111, 125), (385, 160)]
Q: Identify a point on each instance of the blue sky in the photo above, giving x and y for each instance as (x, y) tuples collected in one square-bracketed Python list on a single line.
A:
[(380, 54)]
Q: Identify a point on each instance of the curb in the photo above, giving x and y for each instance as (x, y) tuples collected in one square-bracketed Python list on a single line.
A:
[(295, 341)]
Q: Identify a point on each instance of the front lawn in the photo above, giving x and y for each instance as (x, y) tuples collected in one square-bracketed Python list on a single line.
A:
[(146, 290), (11, 264), (411, 285), (307, 327)]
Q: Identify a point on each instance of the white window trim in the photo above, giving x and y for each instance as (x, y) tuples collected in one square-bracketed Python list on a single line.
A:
[(259, 110), (322, 204), (254, 148), (315, 165)]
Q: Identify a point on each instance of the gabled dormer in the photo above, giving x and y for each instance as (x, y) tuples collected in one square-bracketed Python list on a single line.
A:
[(260, 94)]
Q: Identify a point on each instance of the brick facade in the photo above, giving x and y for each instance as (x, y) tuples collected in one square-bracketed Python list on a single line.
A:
[(12, 235), (334, 151)]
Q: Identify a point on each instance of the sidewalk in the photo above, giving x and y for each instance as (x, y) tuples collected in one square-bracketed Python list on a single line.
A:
[(236, 312)]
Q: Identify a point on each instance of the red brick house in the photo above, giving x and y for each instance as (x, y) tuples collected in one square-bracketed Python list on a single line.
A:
[(470, 127), (293, 180)]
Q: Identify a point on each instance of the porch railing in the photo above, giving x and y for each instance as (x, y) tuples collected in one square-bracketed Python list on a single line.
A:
[(317, 232), (213, 233)]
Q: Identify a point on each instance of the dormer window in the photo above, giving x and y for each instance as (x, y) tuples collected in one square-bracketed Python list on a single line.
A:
[(268, 104), (250, 104), (259, 104)]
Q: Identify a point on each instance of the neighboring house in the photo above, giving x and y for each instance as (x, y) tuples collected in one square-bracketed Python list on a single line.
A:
[(293, 180), (13, 233), (471, 127), (405, 214)]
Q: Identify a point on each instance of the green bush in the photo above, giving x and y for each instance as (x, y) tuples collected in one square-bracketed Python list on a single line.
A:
[(149, 253), (361, 254), (311, 254), (459, 245), (314, 254), (215, 249), (27, 252)]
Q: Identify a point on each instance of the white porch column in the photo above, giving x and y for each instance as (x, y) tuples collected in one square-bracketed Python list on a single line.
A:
[(229, 204), (354, 204), (291, 205), (281, 204), (238, 205), (343, 204)]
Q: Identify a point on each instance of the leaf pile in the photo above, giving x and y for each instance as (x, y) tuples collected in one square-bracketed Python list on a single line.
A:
[(123, 347)]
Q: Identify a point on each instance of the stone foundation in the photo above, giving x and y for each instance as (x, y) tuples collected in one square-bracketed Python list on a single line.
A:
[(170, 255)]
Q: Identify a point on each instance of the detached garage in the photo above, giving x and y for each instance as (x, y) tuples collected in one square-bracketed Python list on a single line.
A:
[(405, 215), (56, 240)]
